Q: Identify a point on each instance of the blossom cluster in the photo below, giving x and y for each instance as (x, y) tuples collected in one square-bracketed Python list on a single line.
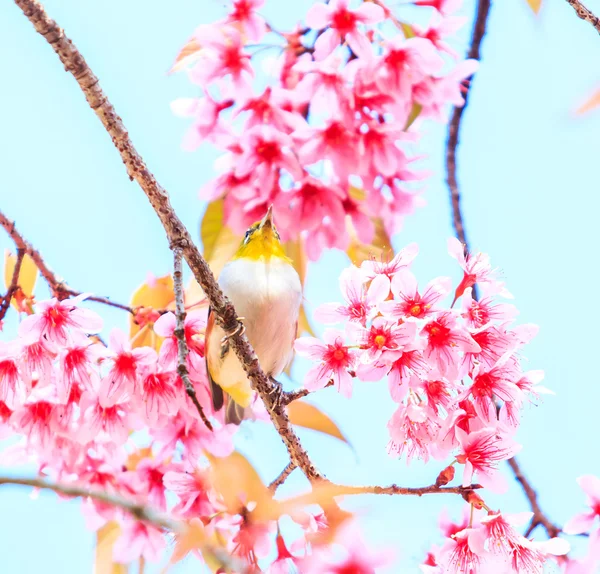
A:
[(326, 140), (455, 373)]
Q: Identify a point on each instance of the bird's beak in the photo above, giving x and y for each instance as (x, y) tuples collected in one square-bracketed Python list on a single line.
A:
[(267, 220)]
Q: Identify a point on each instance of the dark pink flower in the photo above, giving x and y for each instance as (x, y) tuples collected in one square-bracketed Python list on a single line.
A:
[(342, 23), (53, 319), (101, 423), (243, 13), (138, 540), (13, 390), (192, 487), (413, 429), (335, 359), (156, 396), (383, 339), (584, 521)]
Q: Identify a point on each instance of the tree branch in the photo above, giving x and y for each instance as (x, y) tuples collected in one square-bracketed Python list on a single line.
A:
[(291, 396), (282, 477), (483, 9), (176, 232), (538, 518), (138, 511), (394, 489), (14, 284), (58, 287), (585, 14), (182, 348)]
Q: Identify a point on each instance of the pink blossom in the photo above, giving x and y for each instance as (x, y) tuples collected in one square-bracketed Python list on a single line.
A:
[(445, 339), (243, 13), (383, 339), (273, 107), (481, 451), (478, 313), (331, 233), (584, 521), (408, 303), (264, 151), (361, 302), (192, 488), (138, 540), (76, 363), (222, 55), (458, 557), (342, 23), (379, 154), (157, 396), (126, 363), (102, 423), (13, 390), (53, 319), (194, 326), (442, 6), (335, 359), (412, 429), (373, 268)]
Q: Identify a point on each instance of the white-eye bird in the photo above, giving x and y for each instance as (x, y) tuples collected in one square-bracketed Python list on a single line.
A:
[(266, 292)]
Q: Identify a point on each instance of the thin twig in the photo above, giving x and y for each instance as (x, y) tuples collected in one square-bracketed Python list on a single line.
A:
[(291, 396), (178, 235), (585, 14), (282, 477), (539, 518), (138, 511), (14, 284), (58, 287), (182, 348), (394, 489), (483, 9)]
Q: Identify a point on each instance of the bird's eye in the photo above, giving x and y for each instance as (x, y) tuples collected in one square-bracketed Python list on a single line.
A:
[(248, 234)]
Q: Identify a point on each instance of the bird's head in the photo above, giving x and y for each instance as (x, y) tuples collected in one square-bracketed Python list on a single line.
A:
[(262, 242)]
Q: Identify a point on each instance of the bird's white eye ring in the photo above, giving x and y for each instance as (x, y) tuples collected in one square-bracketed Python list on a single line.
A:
[(248, 234)]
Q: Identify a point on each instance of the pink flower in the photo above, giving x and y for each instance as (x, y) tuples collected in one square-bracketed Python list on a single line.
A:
[(477, 269), (331, 233), (445, 338), (120, 381), (194, 326), (383, 339), (458, 557), (379, 154), (243, 13), (274, 107), (157, 396), (481, 451), (264, 151), (222, 55), (478, 313), (373, 268), (100, 423), (206, 125), (361, 302), (76, 362), (335, 359), (54, 318), (13, 390), (584, 521), (408, 303), (412, 429), (192, 488), (138, 540), (442, 6), (342, 23)]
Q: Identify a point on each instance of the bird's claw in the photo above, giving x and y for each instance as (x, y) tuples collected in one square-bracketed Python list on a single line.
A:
[(277, 393), (239, 330)]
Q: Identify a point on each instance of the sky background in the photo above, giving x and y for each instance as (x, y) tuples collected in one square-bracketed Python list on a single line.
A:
[(529, 182)]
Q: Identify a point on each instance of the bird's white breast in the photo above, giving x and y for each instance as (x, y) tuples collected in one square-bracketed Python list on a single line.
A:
[(268, 295)]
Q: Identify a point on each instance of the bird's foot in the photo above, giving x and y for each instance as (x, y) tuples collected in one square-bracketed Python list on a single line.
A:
[(277, 393), (239, 330)]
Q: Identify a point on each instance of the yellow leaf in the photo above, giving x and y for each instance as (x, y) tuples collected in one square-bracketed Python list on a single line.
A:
[(137, 456), (535, 5), (238, 483), (378, 249), (27, 274), (186, 56), (105, 540), (408, 30), (159, 295), (308, 416), (219, 241), (590, 104), (414, 114), (192, 538)]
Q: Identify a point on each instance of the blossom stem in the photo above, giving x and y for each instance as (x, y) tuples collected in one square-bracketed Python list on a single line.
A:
[(182, 348), (178, 235), (585, 14)]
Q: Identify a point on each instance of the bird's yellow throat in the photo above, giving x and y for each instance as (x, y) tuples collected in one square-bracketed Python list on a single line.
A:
[(262, 242)]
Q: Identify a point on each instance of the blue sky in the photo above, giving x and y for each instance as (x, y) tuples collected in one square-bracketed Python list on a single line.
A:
[(528, 175)]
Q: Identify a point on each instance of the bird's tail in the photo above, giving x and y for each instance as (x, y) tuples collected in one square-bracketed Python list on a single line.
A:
[(234, 413)]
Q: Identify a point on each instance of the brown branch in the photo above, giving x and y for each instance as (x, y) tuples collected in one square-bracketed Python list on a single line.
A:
[(483, 9), (176, 232), (585, 14), (394, 489), (182, 348), (138, 511), (58, 287), (282, 477), (291, 396), (14, 284), (539, 518)]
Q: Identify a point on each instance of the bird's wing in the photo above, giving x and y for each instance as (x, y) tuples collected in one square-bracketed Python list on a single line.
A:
[(215, 390)]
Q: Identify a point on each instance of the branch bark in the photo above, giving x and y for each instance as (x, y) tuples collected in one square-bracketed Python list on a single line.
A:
[(14, 284), (479, 26), (585, 14), (176, 232), (282, 477), (182, 348)]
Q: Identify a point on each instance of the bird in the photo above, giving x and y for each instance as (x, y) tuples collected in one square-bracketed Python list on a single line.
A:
[(266, 291)]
